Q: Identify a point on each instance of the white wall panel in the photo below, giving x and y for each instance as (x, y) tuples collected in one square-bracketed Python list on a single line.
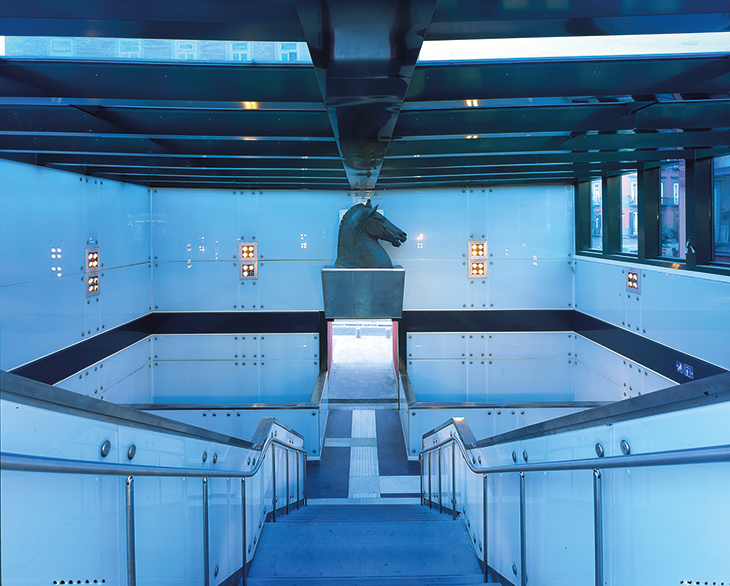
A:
[(126, 294), (196, 347), (289, 346), (688, 312), (197, 286), (292, 286), (202, 381), (438, 380), (436, 345), (39, 318), (299, 225), (287, 380), (531, 344), (531, 284), (43, 209), (528, 222), (432, 284), (530, 380), (196, 225)]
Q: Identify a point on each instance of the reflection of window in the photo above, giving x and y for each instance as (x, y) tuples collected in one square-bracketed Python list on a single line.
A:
[(185, 49), (634, 193), (240, 51), (288, 51), (633, 223), (675, 192), (62, 47), (130, 48)]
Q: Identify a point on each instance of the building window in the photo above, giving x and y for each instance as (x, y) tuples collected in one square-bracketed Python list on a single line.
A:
[(721, 209), (596, 214), (287, 51), (240, 51), (672, 219), (62, 47), (130, 48), (629, 214), (186, 49)]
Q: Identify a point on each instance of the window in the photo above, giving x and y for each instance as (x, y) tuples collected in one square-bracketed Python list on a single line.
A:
[(130, 48), (62, 47), (240, 51), (672, 219), (185, 49), (288, 51), (721, 209), (596, 214), (629, 214)]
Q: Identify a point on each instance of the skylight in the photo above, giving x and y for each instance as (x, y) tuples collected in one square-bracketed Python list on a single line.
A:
[(112, 49), (575, 47)]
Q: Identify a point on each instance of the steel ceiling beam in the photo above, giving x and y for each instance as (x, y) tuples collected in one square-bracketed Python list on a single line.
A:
[(364, 54), (246, 85), (470, 19), (570, 78), (244, 20)]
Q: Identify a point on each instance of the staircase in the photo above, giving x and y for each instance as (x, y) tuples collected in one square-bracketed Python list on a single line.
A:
[(365, 545)]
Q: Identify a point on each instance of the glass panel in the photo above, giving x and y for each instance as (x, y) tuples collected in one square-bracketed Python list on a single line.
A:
[(629, 214), (721, 210), (596, 214), (672, 212), (574, 46), (107, 49)]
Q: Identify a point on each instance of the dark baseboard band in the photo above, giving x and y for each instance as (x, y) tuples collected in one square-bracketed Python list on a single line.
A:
[(639, 349)]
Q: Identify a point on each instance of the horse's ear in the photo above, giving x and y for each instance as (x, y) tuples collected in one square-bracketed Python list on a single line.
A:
[(372, 212)]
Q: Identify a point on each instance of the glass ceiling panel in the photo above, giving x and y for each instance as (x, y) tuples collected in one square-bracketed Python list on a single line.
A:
[(109, 49), (575, 47)]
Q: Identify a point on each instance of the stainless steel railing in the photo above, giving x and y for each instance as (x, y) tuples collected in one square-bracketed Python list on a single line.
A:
[(26, 463), (669, 458)]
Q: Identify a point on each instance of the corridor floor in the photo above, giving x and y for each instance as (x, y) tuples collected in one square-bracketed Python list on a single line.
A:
[(364, 460)]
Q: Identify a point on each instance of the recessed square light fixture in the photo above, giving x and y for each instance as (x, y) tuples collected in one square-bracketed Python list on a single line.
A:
[(477, 253), (92, 271), (633, 282), (248, 267)]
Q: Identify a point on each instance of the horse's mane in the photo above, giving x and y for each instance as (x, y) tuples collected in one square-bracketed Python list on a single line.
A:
[(348, 215), (351, 212)]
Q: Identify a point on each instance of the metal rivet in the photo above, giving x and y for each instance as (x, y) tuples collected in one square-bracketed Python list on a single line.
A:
[(106, 448), (514, 569), (524, 454), (625, 448), (599, 450), (216, 571), (131, 451), (514, 457), (205, 456), (215, 458)]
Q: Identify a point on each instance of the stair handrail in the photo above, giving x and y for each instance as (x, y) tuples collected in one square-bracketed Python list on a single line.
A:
[(20, 390), (698, 455)]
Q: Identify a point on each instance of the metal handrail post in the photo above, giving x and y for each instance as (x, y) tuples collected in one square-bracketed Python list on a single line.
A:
[(523, 536), (420, 462), (453, 479), (273, 478), (243, 531), (299, 494), (304, 463), (430, 493), (484, 522), (441, 504), (206, 535), (288, 486), (131, 564), (598, 527)]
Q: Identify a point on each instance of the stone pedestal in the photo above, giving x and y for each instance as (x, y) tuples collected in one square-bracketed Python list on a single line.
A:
[(363, 293)]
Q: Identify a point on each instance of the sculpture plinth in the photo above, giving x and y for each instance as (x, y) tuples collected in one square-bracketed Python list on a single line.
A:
[(363, 293)]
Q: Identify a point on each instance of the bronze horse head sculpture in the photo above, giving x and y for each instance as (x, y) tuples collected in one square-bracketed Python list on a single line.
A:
[(360, 229)]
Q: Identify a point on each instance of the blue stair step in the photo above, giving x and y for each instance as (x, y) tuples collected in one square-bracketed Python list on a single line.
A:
[(366, 545)]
